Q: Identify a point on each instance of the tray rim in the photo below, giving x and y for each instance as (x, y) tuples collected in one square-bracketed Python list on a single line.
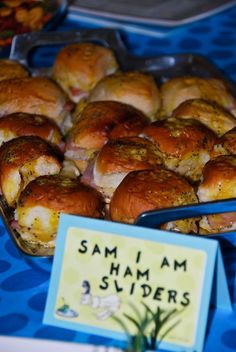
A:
[(22, 45)]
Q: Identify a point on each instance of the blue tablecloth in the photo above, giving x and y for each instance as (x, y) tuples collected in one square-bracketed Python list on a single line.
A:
[(23, 285)]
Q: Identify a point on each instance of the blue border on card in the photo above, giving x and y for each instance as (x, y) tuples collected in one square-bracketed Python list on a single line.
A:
[(209, 246)]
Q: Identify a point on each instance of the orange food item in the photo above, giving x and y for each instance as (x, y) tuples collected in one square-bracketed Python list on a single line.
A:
[(21, 16)]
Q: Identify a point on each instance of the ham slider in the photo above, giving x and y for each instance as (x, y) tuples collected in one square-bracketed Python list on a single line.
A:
[(78, 67), (40, 204), (99, 122), (23, 159), (209, 113), (22, 124), (10, 69), (226, 145), (116, 159), (218, 182), (135, 88), (145, 190), (185, 145), (177, 90), (34, 95)]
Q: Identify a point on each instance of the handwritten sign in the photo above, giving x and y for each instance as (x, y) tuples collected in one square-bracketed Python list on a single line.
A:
[(102, 270)]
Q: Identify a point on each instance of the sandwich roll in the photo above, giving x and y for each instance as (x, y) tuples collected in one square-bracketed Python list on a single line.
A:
[(21, 124), (10, 69), (209, 113), (226, 145), (177, 90), (134, 88), (40, 204), (185, 145), (78, 67), (145, 190), (33, 95), (218, 182), (99, 122), (23, 159), (116, 159)]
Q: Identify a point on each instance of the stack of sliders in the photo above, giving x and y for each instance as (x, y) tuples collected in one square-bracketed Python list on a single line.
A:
[(95, 141)]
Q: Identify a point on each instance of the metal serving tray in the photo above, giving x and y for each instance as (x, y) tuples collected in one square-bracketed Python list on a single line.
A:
[(161, 67)]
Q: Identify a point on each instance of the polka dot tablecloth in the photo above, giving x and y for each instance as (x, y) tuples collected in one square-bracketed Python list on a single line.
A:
[(24, 283)]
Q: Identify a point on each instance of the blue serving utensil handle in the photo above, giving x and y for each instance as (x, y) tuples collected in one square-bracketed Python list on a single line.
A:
[(154, 218)]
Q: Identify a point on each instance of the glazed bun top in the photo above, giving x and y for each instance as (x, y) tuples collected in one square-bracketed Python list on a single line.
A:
[(64, 195), (178, 137), (146, 190), (21, 150), (218, 179), (103, 120), (23, 159), (134, 88), (226, 144), (127, 154), (34, 95), (116, 159), (10, 69), (209, 113), (185, 145), (218, 182), (177, 90), (22, 124), (78, 67)]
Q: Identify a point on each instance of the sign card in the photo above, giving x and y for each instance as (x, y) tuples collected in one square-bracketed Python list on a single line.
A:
[(103, 271)]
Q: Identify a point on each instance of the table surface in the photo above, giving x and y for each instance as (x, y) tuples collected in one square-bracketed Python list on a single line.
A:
[(24, 285)]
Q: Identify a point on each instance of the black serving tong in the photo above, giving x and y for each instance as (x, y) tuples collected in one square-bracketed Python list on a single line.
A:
[(155, 218)]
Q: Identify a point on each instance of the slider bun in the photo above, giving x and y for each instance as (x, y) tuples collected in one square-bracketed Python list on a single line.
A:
[(226, 144), (209, 113), (12, 69), (146, 190), (35, 95), (121, 156), (219, 179), (42, 201), (22, 124), (99, 122), (185, 145), (23, 159), (177, 90), (218, 182), (78, 67), (134, 88)]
